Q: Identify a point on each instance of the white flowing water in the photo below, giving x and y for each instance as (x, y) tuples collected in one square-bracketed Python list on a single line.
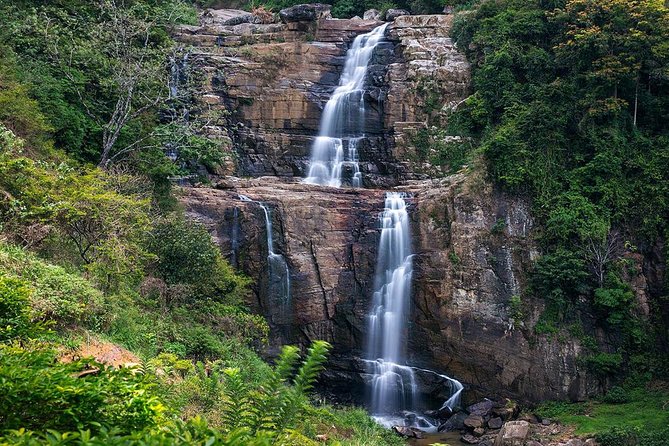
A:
[(279, 274), (394, 389), (334, 153)]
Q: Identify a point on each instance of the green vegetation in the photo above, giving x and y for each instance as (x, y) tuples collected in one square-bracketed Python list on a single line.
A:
[(622, 411), (95, 255), (569, 101), (340, 8)]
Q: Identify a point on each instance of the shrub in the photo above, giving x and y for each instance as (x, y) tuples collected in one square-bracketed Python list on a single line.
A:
[(187, 255), (14, 309), (39, 392), (604, 364), (56, 295), (616, 395)]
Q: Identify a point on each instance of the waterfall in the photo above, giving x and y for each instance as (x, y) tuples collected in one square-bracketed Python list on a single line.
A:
[(279, 274), (394, 390), (334, 156)]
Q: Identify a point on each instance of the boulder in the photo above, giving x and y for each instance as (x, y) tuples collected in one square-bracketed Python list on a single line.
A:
[(392, 14), (513, 433), (482, 408), (479, 431), (454, 423), (474, 421), (533, 443), (495, 423), (226, 17), (408, 432), (305, 13), (372, 14)]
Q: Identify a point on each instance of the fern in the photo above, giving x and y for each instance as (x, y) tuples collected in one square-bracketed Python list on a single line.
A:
[(236, 413), (312, 366), (270, 400)]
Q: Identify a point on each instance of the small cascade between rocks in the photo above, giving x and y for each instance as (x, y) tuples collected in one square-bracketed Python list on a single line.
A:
[(279, 273), (334, 155), (394, 396)]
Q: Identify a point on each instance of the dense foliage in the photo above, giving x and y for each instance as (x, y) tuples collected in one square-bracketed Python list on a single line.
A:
[(340, 8), (96, 115), (569, 108)]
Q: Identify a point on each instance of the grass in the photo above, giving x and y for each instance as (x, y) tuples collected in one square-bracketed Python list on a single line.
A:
[(348, 426), (645, 408)]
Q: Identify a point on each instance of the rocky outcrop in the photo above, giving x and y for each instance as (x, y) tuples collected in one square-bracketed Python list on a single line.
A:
[(430, 77), (305, 13), (328, 237), (266, 84), (472, 247)]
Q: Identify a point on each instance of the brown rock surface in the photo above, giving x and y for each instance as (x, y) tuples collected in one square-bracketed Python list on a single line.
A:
[(272, 81), (472, 246)]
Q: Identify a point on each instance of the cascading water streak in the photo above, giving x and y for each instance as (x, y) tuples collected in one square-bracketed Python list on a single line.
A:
[(334, 153), (279, 274), (394, 389)]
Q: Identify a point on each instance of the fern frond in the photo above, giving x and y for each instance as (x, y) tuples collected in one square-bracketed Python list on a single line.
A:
[(312, 366)]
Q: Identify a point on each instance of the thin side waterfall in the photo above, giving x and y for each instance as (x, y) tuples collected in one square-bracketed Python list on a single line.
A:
[(394, 389), (334, 155), (279, 274)]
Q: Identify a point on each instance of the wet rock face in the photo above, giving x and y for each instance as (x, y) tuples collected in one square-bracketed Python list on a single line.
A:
[(269, 84), (328, 237), (472, 247)]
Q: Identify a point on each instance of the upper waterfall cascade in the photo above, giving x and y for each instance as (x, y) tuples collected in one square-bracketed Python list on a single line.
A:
[(394, 389), (334, 155)]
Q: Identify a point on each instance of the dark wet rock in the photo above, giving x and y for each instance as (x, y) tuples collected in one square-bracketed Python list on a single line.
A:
[(454, 423), (495, 423), (305, 13), (392, 14), (408, 432)]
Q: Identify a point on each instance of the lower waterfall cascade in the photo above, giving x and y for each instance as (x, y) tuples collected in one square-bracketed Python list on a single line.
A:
[(394, 390)]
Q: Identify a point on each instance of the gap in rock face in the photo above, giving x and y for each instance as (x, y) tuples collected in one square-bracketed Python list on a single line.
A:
[(334, 154)]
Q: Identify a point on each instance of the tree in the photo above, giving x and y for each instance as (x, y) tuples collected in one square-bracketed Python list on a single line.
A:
[(123, 55)]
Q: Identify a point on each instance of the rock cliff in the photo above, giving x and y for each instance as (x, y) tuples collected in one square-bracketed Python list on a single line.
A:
[(269, 82), (473, 245)]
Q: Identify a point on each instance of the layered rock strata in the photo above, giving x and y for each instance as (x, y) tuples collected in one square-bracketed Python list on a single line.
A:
[(269, 83), (472, 244)]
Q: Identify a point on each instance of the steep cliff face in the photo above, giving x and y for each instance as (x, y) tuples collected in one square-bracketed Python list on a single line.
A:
[(473, 246), (271, 81)]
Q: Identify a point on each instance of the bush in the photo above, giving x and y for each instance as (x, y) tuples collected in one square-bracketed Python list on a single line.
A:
[(56, 295), (14, 310), (39, 392), (187, 255), (616, 395), (604, 364)]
